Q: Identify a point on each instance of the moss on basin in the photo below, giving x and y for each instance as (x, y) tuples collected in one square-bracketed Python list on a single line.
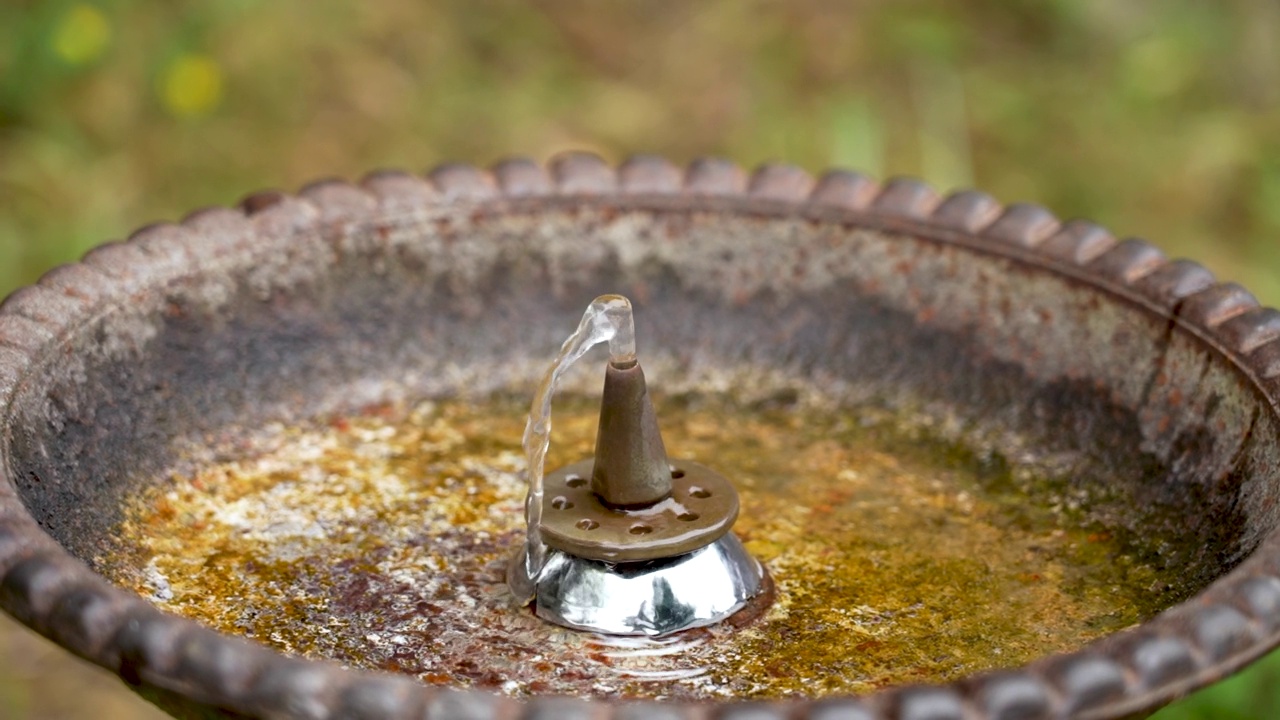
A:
[(379, 540)]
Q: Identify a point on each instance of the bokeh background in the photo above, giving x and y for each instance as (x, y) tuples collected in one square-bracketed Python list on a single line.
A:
[(1159, 118)]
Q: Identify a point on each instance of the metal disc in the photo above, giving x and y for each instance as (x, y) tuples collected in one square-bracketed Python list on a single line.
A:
[(701, 508)]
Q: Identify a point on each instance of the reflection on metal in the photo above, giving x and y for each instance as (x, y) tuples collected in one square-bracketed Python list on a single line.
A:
[(656, 597)]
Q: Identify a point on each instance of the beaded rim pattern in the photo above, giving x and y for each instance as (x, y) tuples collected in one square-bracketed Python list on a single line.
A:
[(1234, 621)]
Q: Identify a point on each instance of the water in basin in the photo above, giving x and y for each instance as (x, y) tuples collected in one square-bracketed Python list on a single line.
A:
[(380, 540)]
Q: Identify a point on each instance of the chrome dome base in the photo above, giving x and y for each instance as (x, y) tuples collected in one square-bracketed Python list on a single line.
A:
[(656, 597)]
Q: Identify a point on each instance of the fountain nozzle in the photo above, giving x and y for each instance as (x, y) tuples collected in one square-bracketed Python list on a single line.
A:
[(639, 546), (631, 468)]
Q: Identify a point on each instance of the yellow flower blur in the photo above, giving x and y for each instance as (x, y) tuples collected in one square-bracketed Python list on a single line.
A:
[(81, 35), (191, 85)]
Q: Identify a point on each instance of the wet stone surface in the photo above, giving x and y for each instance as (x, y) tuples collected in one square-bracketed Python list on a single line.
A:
[(380, 540)]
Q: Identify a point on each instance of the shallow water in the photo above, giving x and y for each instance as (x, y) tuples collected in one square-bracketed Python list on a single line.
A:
[(380, 541)]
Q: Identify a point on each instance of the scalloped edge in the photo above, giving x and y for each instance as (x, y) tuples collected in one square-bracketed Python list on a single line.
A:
[(1188, 646)]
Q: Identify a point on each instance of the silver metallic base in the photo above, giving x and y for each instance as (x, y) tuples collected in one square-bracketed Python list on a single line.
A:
[(655, 597)]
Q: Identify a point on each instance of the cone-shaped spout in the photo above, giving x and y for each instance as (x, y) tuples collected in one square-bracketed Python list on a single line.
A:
[(631, 468)]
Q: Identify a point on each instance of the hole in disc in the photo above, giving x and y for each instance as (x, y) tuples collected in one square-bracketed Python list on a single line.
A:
[(641, 529), (698, 492), (677, 473), (687, 516), (587, 524), (575, 481), (561, 503)]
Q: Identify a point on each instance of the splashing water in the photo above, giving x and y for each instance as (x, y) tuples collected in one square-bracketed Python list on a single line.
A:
[(608, 319)]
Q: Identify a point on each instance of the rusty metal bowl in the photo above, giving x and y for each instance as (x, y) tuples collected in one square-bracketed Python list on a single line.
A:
[(290, 306)]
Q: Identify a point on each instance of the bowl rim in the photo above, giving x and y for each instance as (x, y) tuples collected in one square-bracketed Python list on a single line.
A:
[(1230, 623)]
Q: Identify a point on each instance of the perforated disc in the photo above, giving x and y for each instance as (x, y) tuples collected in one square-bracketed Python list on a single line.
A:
[(702, 507)]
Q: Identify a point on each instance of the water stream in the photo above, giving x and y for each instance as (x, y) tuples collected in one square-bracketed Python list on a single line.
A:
[(607, 319)]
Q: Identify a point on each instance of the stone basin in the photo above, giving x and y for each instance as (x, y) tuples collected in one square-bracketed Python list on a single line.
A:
[(1003, 325)]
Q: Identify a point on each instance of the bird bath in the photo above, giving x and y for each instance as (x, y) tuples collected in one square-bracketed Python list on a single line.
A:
[(265, 462)]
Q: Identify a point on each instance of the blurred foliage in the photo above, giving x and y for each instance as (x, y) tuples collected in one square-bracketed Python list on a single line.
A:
[(1160, 118)]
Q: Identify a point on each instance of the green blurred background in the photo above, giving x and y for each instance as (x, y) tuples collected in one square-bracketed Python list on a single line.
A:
[(1154, 118)]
